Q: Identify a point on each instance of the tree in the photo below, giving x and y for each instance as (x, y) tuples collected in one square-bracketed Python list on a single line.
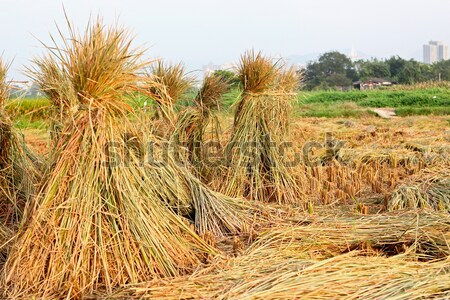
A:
[(396, 65), (441, 70), (413, 72), (331, 69), (228, 76), (374, 69)]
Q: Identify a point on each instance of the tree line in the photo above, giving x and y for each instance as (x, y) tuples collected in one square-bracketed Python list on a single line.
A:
[(334, 69)]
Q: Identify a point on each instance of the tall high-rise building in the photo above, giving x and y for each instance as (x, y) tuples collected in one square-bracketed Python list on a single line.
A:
[(435, 51), (442, 52), (353, 54)]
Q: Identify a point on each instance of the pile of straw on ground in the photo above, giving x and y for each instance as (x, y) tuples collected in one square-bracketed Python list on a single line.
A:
[(257, 169), (423, 235), (282, 275), (430, 190)]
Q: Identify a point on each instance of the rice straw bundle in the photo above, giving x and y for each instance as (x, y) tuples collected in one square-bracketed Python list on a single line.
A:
[(427, 190), (191, 124), (256, 167), (211, 92), (18, 172), (51, 80), (168, 82), (95, 225), (209, 211)]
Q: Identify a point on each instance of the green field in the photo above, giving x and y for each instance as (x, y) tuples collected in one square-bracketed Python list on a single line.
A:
[(33, 113)]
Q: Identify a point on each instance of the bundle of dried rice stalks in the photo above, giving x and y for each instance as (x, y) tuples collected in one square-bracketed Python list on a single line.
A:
[(211, 92), (209, 211), (419, 234), (168, 82), (18, 172), (51, 80), (105, 216), (95, 223), (426, 190), (257, 166), (192, 123)]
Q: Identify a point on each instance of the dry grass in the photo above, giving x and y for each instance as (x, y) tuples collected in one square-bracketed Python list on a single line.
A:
[(106, 222), (420, 234), (104, 217), (281, 274), (210, 94)]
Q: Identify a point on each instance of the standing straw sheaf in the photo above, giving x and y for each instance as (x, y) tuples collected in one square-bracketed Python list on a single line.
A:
[(192, 124), (257, 168), (95, 224), (52, 80), (167, 84), (18, 165)]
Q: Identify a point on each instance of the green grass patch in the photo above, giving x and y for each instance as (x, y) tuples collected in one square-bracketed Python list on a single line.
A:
[(332, 110), (423, 111), (382, 98), (34, 108), (24, 122)]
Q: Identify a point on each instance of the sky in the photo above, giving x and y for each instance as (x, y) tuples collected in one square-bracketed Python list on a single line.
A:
[(199, 32)]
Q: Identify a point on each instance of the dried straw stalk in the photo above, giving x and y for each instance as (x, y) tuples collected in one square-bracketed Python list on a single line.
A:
[(281, 274)]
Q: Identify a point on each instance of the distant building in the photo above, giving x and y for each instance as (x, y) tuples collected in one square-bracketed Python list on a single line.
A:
[(211, 68), (372, 83), (435, 51), (25, 89), (353, 54)]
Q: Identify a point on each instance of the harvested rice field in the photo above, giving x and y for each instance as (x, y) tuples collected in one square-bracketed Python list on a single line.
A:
[(114, 199)]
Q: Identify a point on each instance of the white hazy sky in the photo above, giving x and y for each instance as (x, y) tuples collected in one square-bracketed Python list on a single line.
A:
[(199, 32)]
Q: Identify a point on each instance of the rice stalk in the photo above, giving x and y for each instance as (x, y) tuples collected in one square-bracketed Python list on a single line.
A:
[(6, 235), (422, 235), (53, 81), (175, 184)]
